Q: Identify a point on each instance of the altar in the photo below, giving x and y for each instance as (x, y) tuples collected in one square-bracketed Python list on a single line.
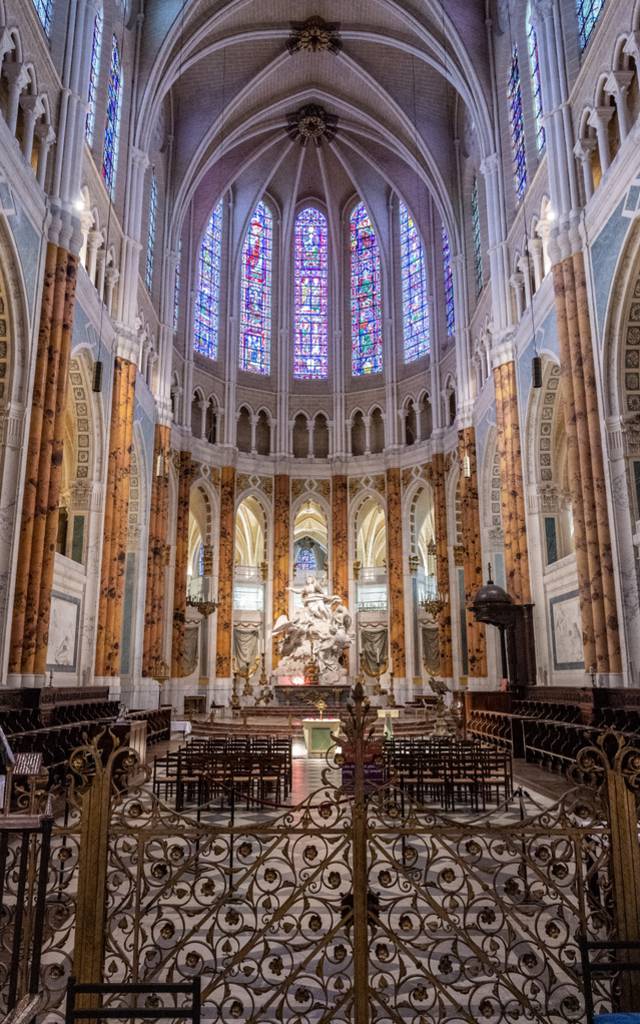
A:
[(318, 734)]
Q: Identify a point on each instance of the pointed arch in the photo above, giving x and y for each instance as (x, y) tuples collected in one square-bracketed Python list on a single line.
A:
[(366, 294), (311, 276), (206, 309), (415, 305), (256, 291)]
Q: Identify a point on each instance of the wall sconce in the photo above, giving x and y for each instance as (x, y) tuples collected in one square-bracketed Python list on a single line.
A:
[(466, 467), (357, 565), (414, 562)]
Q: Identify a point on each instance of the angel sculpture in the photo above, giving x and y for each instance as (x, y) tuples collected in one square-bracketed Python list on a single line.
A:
[(318, 634)]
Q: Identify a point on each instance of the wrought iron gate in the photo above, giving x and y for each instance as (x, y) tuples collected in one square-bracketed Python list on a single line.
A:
[(347, 908)]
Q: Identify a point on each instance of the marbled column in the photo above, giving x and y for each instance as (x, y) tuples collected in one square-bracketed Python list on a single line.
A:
[(605, 559), (395, 573), (592, 540), (340, 537), (442, 562), (116, 520), (154, 615), (39, 526), (185, 479), (225, 572), (281, 545), (476, 640), (514, 524)]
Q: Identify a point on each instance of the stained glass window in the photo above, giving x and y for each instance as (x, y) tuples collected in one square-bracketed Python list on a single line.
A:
[(516, 121), (476, 236), (366, 284), (588, 12), (151, 232), (44, 9), (176, 288), (207, 301), (94, 74), (536, 85), (306, 560), (415, 306), (449, 304), (255, 302), (311, 265), (112, 127)]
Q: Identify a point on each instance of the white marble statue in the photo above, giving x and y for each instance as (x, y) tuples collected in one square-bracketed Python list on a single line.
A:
[(318, 634)]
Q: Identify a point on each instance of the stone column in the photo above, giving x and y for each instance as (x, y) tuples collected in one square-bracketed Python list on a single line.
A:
[(185, 479), (583, 151), (617, 85), (340, 536), (594, 561), (281, 544), (438, 483), (516, 552), (395, 575), (599, 119), (39, 525), (476, 640), (225, 573), (116, 520), (154, 615)]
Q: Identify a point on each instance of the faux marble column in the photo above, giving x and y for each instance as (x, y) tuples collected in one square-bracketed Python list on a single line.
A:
[(395, 573), (185, 479), (442, 562), (281, 545), (116, 520), (476, 639), (605, 555), (225, 572), (516, 552), (39, 525), (154, 613), (340, 537)]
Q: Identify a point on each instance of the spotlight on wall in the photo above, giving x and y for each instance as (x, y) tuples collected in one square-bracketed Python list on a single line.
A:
[(536, 372), (97, 377), (466, 467)]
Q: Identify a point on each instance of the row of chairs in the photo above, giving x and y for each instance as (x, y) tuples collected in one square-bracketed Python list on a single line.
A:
[(201, 774), (450, 773)]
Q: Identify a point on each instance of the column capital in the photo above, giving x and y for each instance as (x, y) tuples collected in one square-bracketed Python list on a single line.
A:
[(600, 116), (618, 82), (490, 165), (584, 148), (127, 343)]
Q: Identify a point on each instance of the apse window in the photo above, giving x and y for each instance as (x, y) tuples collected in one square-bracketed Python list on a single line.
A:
[(366, 286), (255, 302), (311, 266), (588, 12), (415, 306), (94, 75), (206, 310), (516, 120), (536, 83), (44, 10), (449, 303), (112, 126)]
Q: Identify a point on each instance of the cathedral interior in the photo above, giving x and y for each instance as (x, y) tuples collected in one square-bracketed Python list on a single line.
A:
[(320, 510)]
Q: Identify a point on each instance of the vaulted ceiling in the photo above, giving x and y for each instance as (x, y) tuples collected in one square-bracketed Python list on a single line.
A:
[(399, 77)]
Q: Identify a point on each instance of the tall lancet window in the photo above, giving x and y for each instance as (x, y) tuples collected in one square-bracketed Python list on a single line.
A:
[(176, 288), (44, 9), (415, 306), (449, 302), (152, 227), (476, 237), (516, 121), (112, 127), (536, 84), (94, 75), (366, 286), (588, 12), (255, 301), (206, 311), (311, 264)]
